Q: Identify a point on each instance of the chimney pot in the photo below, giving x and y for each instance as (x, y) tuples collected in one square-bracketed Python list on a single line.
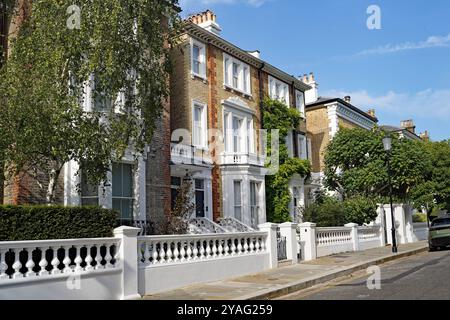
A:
[(347, 99), (371, 112), (408, 125)]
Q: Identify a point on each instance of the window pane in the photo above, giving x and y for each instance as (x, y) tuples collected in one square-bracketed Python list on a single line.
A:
[(116, 180), (196, 59), (235, 75), (127, 180), (226, 66), (127, 208), (237, 213), (199, 184), (237, 193)]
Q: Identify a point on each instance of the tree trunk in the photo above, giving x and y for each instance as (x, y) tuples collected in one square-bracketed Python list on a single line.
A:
[(53, 178)]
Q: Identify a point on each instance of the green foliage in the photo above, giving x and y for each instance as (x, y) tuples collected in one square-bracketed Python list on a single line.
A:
[(328, 211), (355, 164), (276, 115), (419, 217), (124, 45), (55, 222), (325, 212), (435, 191), (360, 210)]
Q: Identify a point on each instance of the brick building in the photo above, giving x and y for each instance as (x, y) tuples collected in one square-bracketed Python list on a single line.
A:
[(324, 117), (138, 188), (217, 91)]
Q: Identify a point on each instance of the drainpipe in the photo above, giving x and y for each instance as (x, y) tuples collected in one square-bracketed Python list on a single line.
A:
[(261, 95)]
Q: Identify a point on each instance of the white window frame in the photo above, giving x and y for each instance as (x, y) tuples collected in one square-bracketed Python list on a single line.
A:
[(243, 76), (300, 102), (284, 87), (256, 207), (204, 129), (202, 61), (240, 205), (301, 147), (247, 139)]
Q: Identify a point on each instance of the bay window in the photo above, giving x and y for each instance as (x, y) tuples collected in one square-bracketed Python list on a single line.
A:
[(278, 90), (236, 74)]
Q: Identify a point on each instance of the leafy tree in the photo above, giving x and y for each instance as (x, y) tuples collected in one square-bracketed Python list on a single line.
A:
[(360, 210), (277, 115), (435, 192), (178, 221), (120, 46), (355, 165), (326, 211)]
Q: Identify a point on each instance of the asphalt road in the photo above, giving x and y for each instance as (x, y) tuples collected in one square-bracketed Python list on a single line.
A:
[(425, 276)]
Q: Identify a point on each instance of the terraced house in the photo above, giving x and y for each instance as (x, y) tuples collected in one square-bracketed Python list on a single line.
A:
[(325, 115), (217, 91)]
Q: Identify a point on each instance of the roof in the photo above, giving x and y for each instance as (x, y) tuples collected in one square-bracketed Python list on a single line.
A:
[(323, 100), (405, 131), (243, 55)]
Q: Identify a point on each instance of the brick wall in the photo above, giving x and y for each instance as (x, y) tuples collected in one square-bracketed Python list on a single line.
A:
[(319, 133)]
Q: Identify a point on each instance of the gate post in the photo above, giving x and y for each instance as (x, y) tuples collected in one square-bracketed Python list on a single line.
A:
[(128, 258), (308, 241), (354, 234), (271, 242), (289, 230)]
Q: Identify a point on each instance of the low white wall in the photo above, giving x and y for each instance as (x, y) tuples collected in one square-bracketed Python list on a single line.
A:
[(420, 231), (159, 278), (333, 240), (103, 285)]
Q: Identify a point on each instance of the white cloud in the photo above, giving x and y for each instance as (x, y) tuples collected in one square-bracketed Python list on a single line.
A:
[(427, 104), (430, 42)]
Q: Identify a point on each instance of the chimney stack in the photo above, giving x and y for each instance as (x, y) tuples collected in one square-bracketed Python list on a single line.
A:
[(256, 53), (371, 112), (425, 136), (312, 94), (408, 125), (206, 20), (347, 99)]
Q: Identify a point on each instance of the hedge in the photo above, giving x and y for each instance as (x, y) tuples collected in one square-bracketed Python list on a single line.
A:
[(55, 222)]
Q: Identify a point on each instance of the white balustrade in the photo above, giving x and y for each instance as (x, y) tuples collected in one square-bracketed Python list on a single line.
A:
[(333, 240), (174, 249), (45, 258)]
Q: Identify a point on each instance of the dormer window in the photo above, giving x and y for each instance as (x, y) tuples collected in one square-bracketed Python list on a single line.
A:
[(198, 61)]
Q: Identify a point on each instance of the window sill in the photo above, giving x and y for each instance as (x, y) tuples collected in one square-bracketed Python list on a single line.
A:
[(232, 89), (198, 76)]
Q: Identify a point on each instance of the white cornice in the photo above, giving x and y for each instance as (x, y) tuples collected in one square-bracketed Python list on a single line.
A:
[(239, 104)]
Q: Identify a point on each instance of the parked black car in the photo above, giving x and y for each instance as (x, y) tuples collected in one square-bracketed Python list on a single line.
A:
[(439, 233)]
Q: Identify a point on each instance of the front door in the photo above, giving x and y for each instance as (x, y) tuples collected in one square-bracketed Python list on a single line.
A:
[(199, 198)]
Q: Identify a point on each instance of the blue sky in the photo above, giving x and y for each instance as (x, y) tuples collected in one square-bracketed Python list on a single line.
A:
[(401, 70)]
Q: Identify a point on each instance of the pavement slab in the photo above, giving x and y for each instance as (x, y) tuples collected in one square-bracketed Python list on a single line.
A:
[(287, 279)]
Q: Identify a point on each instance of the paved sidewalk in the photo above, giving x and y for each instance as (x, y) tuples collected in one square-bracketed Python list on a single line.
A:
[(284, 280)]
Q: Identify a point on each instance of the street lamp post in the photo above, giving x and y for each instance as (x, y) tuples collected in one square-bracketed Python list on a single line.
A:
[(387, 144)]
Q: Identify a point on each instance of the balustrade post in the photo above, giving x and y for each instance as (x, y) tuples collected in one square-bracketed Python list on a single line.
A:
[(354, 234), (289, 230), (271, 242), (308, 241), (128, 260)]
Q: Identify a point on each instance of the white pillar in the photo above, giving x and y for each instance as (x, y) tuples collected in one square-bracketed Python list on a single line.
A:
[(271, 242), (308, 241), (289, 230), (354, 234), (128, 259)]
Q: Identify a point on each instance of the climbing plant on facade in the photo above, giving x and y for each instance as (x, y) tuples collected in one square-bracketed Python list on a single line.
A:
[(278, 116)]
